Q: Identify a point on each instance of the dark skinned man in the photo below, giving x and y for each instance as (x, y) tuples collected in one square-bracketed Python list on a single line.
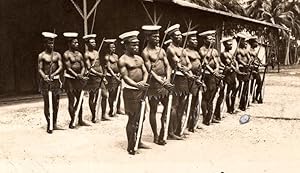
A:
[(160, 71), (74, 77), (135, 75), (49, 68)]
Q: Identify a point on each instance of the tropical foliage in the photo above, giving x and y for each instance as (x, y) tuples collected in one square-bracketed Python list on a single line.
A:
[(285, 13)]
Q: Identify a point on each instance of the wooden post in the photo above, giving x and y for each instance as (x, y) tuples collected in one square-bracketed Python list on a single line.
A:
[(85, 21), (287, 55)]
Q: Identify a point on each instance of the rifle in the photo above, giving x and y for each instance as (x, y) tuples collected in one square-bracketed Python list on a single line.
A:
[(262, 92), (82, 91), (98, 100), (249, 88), (50, 92), (170, 97), (143, 103), (142, 114), (94, 63), (190, 94)]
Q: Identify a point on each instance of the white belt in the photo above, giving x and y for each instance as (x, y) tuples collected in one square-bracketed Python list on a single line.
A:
[(206, 72), (179, 73), (69, 76), (129, 87), (56, 77)]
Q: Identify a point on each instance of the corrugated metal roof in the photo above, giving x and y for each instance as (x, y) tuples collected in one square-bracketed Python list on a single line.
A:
[(195, 6)]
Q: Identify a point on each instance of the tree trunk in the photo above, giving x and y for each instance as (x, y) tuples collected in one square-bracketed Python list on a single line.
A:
[(287, 55)]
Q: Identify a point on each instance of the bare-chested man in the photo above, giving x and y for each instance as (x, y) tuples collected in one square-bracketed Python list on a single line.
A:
[(257, 98), (113, 75), (74, 76), (160, 71), (230, 71), (243, 58), (182, 66), (96, 76), (211, 76), (194, 84), (134, 74), (50, 67)]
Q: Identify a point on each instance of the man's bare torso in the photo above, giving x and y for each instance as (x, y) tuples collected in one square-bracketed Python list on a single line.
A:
[(156, 57), (75, 59), (195, 59), (49, 61), (134, 67)]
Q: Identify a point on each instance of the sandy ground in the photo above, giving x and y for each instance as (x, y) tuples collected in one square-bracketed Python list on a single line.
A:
[(270, 142)]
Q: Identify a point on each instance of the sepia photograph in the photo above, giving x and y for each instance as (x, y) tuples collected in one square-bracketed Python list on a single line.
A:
[(142, 86)]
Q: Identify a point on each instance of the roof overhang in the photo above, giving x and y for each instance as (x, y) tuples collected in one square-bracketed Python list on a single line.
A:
[(223, 13)]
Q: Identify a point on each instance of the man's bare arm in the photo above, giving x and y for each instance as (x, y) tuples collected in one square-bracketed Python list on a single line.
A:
[(167, 66), (109, 69), (60, 66), (40, 67)]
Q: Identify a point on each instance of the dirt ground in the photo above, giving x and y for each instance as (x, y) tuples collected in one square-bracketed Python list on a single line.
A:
[(270, 142)]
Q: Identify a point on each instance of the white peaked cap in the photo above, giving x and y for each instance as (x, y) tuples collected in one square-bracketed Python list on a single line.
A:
[(49, 35), (189, 33), (130, 36), (242, 35), (206, 33), (70, 34), (151, 27), (112, 40), (172, 29), (86, 37), (168, 41)]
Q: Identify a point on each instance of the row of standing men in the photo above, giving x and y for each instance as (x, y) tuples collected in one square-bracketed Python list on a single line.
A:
[(176, 77)]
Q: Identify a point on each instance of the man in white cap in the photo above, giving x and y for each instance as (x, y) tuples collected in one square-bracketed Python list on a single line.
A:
[(182, 66), (243, 58), (211, 76), (194, 84), (257, 98), (113, 75), (230, 71), (49, 68), (74, 76), (96, 76), (134, 74), (158, 66)]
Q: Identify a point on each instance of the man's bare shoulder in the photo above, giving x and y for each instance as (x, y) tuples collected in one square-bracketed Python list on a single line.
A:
[(78, 53), (57, 54), (41, 55), (139, 58), (115, 55), (67, 54), (122, 60)]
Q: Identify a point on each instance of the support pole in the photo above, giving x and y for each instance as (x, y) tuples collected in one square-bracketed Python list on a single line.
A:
[(287, 55)]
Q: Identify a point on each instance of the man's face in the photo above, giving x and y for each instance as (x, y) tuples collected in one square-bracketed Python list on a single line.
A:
[(193, 42), (177, 37), (228, 45), (133, 47), (50, 44), (74, 44), (112, 47), (210, 39), (92, 43), (154, 38)]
